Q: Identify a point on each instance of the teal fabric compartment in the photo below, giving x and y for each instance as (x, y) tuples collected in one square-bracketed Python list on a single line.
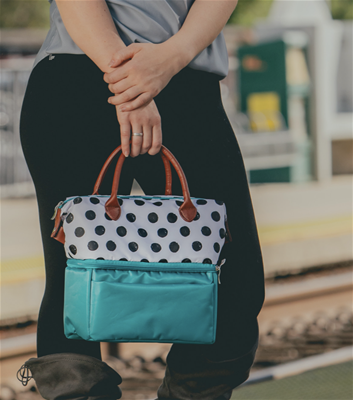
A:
[(127, 301)]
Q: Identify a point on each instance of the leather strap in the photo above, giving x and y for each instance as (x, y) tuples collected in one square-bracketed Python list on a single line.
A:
[(167, 169), (187, 210)]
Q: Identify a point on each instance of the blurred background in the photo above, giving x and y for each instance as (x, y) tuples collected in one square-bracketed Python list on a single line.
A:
[(288, 96)]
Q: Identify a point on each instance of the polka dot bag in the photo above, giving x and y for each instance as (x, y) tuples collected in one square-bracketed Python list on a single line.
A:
[(141, 268)]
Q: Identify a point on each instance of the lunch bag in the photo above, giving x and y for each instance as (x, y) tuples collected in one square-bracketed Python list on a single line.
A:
[(141, 268)]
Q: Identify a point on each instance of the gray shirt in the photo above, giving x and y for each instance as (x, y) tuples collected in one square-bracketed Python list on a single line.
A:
[(144, 21)]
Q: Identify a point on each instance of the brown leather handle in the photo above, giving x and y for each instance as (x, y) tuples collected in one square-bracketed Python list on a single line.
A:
[(168, 172), (187, 210)]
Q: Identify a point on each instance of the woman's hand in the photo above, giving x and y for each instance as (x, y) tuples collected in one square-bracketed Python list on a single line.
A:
[(145, 119), (142, 70)]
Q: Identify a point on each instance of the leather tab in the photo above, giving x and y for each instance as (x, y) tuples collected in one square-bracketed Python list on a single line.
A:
[(228, 235), (58, 231)]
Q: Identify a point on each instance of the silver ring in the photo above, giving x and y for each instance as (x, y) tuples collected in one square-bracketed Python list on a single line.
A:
[(137, 134)]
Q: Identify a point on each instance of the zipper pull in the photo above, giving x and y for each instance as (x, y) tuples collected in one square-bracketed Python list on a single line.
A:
[(56, 209), (218, 269)]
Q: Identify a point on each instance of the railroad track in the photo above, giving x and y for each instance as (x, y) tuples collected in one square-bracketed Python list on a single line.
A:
[(301, 316)]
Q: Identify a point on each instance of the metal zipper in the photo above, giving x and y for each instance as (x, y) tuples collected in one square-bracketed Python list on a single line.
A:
[(51, 57), (218, 269)]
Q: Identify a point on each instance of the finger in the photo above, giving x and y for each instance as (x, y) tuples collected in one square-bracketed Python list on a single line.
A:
[(119, 87), (116, 75), (121, 55), (142, 100), (156, 140), (124, 97), (147, 138), (125, 133), (136, 141)]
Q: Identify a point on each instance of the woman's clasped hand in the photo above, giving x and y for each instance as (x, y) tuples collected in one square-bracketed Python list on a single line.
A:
[(141, 71)]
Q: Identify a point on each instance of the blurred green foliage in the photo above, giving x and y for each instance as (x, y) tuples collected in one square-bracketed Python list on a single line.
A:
[(35, 13), (24, 14), (248, 11), (342, 9)]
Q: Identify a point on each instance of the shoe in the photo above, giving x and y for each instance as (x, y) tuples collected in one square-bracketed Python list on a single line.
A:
[(71, 376)]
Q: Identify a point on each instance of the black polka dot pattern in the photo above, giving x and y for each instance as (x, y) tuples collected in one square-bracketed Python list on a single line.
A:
[(142, 232), (215, 216), (111, 246), (156, 247), (100, 230), (171, 217), (131, 217), (162, 232), (121, 231), (184, 231), (79, 232), (133, 246), (206, 231), (91, 215), (201, 201), (174, 247), (92, 245), (197, 246), (152, 217), (149, 229)]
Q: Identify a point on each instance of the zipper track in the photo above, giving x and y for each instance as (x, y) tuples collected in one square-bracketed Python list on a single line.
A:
[(127, 265), (129, 197)]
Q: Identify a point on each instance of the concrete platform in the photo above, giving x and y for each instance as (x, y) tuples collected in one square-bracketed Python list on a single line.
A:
[(328, 383)]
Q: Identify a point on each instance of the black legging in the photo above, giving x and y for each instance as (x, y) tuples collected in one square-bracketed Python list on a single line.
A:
[(67, 131)]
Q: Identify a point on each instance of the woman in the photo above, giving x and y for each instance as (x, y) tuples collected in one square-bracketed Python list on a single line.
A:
[(167, 58)]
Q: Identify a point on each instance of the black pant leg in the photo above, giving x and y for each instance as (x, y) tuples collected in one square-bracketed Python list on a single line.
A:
[(67, 131)]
